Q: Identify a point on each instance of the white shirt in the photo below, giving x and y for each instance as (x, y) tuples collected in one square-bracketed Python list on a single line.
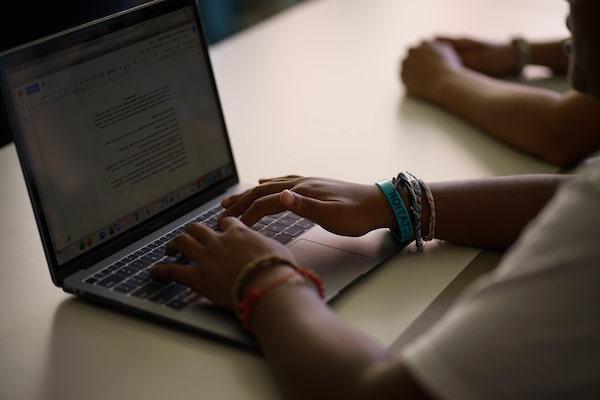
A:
[(530, 329)]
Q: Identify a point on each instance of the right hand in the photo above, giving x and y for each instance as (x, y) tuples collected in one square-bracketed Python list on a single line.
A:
[(340, 207), (490, 58)]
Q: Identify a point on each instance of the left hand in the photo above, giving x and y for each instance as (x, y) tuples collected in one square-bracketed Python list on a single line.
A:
[(426, 66), (220, 257)]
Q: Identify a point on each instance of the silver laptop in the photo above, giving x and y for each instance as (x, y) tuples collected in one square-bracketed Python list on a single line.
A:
[(122, 142)]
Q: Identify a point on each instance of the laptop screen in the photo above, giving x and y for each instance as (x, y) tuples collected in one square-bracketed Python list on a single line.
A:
[(119, 127)]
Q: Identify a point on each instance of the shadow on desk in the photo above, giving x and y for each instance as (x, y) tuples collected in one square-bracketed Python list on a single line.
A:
[(485, 262), (469, 137), (97, 352)]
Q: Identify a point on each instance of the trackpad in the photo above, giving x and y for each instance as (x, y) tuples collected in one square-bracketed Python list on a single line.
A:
[(337, 268)]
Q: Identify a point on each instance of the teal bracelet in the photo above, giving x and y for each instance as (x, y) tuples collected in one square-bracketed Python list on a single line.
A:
[(405, 230)]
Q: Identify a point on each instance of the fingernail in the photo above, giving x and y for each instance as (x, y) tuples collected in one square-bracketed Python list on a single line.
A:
[(288, 198)]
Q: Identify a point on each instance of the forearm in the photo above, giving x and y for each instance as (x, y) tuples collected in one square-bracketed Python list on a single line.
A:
[(315, 355), (549, 54), (519, 115), (489, 213)]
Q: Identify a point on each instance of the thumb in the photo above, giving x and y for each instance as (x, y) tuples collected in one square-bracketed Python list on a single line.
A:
[(306, 207), (174, 272)]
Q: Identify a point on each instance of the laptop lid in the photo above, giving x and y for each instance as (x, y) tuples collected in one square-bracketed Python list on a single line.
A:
[(119, 129)]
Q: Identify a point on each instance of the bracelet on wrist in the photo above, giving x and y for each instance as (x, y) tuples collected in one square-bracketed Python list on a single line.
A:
[(410, 215), (407, 180), (405, 230), (244, 307), (523, 53)]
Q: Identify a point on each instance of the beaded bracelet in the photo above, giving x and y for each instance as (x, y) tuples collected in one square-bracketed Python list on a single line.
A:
[(408, 181), (245, 307), (431, 203)]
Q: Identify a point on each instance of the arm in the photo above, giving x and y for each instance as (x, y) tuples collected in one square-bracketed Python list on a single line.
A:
[(557, 128), (488, 213), (316, 355), (501, 59), (549, 54), (312, 352)]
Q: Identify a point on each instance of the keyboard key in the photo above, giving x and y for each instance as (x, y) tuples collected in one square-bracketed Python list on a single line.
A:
[(159, 252), (154, 245), (276, 227), (152, 258), (111, 280), (168, 293), (177, 304), (268, 233), (91, 280), (258, 226), (127, 271), (102, 274), (279, 215), (294, 231), (126, 287), (138, 280), (283, 238), (139, 265), (148, 289), (267, 220), (286, 221), (293, 216), (304, 224), (130, 258)]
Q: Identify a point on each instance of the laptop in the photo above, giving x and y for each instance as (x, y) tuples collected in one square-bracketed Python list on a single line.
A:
[(122, 142)]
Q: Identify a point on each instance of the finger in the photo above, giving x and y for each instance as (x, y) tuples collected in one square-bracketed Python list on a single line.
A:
[(306, 207), (280, 178), (184, 244), (228, 201), (267, 205), (247, 198), (231, 222), (176, 273), (201, 233)]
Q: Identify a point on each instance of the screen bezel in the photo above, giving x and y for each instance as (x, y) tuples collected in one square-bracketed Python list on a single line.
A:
[(75, 36)]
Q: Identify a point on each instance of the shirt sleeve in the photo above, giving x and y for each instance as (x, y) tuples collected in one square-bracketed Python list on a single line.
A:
[(531, 329)]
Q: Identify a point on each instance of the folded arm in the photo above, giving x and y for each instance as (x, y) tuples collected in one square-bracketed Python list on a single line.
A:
[(557, 128)]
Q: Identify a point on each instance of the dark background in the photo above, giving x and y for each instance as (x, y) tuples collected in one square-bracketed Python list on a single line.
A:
[(22, 21)]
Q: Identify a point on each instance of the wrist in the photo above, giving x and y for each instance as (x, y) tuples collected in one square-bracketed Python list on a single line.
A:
[(269, 275), (521, 51), (263, 278), (442, 92)]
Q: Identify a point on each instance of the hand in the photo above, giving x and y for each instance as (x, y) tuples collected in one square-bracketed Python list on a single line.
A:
[(340, 207), (426, 67), (219, 257), (486, 57)]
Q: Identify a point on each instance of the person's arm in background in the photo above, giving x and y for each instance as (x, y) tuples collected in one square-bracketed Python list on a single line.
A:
[(560, 129), (502, 59)]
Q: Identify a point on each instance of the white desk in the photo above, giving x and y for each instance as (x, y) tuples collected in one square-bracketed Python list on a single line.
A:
[(316, 90)]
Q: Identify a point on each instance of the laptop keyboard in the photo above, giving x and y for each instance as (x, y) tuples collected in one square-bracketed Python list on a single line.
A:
[(131, 275)]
